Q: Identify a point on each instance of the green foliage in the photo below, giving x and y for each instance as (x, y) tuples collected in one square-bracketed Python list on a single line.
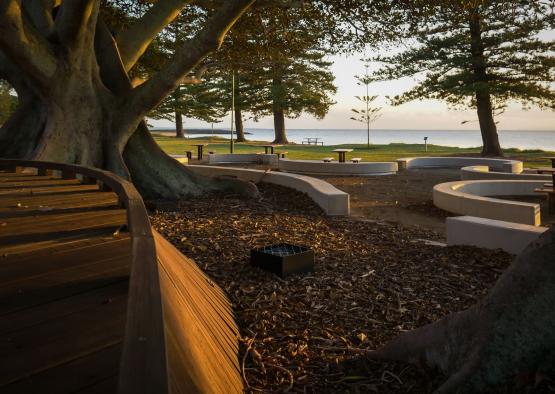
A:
[(518, 65), (8, 102), (279, 57)]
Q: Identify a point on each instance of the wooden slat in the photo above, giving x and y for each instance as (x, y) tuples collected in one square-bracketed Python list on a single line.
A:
[(44, 227), (59, 341), (143, 360), (83, 373), (201, 334)]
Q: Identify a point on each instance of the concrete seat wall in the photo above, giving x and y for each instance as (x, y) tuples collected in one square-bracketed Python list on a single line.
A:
[(336, 168), (484, 173), (503, 165), (491, 234), (472, 198), (250, 158), (332, 200)]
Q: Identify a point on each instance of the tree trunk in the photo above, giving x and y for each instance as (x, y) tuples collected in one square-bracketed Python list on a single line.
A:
[(80, 107), (179, 133), (239, 126), (510, 333), (279, 127), (488, 129), (278, 100), (490, 139)]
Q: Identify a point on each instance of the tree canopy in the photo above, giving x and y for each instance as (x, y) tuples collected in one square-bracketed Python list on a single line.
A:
[(478, 54)]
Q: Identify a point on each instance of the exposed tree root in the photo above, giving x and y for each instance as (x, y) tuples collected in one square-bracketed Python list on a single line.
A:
[(511, 331)]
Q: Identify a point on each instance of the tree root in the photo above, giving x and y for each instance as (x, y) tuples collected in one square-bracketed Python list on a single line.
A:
[(511, 331)]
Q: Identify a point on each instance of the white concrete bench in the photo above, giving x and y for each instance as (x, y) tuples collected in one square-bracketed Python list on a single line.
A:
[(483, 172), (332, 200), (327, 159), (335, 168), (503, 165), (254, 158), (491, 234), (473, 198), (356, 159)]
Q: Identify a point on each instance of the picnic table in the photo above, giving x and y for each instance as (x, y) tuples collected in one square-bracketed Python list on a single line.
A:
[(312, 141), (270, 148), (342, 153), (200, 148)]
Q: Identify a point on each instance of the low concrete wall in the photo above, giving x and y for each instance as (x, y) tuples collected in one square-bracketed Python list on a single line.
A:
[(334, 168), (491, 234), (332, 200), (471, 198), (483, 172), (504, 165), (259, 158)]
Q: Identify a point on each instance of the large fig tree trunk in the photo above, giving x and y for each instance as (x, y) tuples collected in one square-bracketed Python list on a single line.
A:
[(509, 333), (77, 104), (488, 129)]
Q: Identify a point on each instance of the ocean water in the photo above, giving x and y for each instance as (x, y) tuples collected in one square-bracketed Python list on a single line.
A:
[(521, 139)]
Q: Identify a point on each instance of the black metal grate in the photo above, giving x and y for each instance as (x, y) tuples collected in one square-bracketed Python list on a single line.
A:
[(283, 259), (283, 249)]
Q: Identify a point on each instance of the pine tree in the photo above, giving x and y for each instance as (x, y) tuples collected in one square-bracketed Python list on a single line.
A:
[(282, 72), (478, 54)]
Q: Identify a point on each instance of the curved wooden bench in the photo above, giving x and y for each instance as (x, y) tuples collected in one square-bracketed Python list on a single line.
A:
[(180, 335)]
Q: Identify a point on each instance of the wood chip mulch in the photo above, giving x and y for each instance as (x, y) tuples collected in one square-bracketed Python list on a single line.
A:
[(372, 281)]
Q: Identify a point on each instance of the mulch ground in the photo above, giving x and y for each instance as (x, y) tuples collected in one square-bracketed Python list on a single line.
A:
[(372, 280)]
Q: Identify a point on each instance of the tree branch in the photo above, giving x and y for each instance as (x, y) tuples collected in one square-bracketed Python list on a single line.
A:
[(23, 45), (73, 20), (134, 41), (40, 13), (190, 54)]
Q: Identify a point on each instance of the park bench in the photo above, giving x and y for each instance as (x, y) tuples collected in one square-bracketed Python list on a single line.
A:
[(281, 154), (356, 159), (327, 159)]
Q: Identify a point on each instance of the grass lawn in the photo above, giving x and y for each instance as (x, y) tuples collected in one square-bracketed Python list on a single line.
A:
[(390, 152)]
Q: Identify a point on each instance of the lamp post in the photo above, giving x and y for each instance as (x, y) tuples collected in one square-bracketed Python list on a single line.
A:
[(367, 99), (426, 144), (232, 110)]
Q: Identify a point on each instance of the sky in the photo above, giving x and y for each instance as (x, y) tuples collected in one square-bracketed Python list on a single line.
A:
[(425, 114)]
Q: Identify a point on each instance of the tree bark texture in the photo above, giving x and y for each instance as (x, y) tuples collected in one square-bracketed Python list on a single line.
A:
[(239, 126), (179, 133), (278, 111), (488, 129), (76, 102)]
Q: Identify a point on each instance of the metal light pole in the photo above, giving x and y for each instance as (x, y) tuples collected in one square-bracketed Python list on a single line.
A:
[(232, 110), (367, 108)]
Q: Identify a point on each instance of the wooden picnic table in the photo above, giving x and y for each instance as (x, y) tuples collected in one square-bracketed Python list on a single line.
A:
[(342, 153), (312, 140), (200, 149), (270, 148)]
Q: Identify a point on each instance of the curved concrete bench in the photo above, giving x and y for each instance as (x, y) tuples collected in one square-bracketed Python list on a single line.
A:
[(335, 168), (503, 165), (491, 234), (471, 198), (484, 173), (332, 200), (251, 158)]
